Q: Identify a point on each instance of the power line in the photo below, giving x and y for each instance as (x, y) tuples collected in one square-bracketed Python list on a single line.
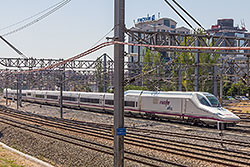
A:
[(180, 15), (188, 14), (103, 37), (13, 47), (39, 18), (28, 18)]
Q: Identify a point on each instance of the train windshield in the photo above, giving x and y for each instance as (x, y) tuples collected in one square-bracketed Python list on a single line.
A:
[(203, 100), (213, 100), (208, 100)]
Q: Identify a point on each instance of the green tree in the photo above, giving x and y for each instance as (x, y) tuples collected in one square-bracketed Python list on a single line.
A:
[(152, 61)]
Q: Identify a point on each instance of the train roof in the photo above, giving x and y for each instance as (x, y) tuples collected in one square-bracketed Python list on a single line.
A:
[(160, 93)]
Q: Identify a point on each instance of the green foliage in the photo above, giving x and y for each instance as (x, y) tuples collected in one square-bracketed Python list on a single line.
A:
[(152, 59), (187, 59), (133, 87), (235, 89), (99, 73), (82, 88), (5, 162)]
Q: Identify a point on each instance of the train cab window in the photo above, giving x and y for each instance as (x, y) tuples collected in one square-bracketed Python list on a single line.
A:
[(213, 100), (88, 100), (129, 103), (40, 96), (109, 102), (52, 97), (203, 100), (68, 98)]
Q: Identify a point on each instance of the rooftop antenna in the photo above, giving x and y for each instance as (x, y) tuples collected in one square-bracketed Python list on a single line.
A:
[(243, 25)]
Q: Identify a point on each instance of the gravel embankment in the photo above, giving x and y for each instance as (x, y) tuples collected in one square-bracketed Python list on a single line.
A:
[(60, 154)]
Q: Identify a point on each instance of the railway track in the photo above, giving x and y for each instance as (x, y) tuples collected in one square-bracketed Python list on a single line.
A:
[(135, 138)]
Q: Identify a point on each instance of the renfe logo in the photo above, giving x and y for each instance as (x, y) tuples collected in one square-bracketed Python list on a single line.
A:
[(166, 102), (167, 105)]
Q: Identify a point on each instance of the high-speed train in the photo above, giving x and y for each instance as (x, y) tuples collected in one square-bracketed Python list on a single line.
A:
[(194, 107)]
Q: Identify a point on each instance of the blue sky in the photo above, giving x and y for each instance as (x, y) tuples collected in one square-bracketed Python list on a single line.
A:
[(80, 24)]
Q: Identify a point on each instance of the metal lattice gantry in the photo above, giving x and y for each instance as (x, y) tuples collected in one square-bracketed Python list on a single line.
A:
[(179, 39), (227, 67), (40, 63), (75, 73)]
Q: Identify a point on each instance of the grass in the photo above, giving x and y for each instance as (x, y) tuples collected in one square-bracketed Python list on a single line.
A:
[(5, 160)]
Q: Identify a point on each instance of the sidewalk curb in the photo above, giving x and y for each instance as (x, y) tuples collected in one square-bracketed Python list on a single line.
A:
[(45, 164)]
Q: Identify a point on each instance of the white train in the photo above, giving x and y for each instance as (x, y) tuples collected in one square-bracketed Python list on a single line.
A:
[(194, 107)]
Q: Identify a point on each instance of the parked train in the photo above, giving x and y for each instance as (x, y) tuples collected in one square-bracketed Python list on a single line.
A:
[(193, 107)]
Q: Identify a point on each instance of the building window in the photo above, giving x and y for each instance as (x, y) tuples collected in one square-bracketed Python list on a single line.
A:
[(167, 23), (173, 26)]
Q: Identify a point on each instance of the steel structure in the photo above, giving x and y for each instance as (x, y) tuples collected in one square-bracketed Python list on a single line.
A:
[(226, 66), (40, 63)]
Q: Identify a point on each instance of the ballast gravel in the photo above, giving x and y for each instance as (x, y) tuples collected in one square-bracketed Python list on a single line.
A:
[(67, 155)]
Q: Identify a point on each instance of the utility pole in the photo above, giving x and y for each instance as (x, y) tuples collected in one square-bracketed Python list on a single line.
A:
[(221, 81), (61, 94), (248, 58), (215, 83), (104, 72), (197, 61), (20, 89), (119, 26), (6, 88), (179, 86), (17, 92)]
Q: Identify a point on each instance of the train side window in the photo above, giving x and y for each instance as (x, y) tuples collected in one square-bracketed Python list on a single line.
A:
[(94, 101), (23, 94), (88, 100), (130, 103), (109, 102), (29, 94), (40, 96), (69, 98), (52, 97)]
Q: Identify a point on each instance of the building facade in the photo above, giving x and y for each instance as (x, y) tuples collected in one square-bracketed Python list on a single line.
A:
[(150, 24)]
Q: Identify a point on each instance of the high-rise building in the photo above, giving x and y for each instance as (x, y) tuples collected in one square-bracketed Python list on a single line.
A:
[(150, 24)]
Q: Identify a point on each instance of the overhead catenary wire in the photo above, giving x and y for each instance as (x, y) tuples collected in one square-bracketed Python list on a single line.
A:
[(28, 18), (38, 19), (185, 11), (13, 47), (105, 44), (169, 4), (104, 36)]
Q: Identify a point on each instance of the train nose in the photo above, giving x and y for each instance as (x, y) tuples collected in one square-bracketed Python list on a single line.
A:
[(231, 117)]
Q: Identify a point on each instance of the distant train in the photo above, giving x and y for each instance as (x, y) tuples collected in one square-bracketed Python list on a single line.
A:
[(194, 107)]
